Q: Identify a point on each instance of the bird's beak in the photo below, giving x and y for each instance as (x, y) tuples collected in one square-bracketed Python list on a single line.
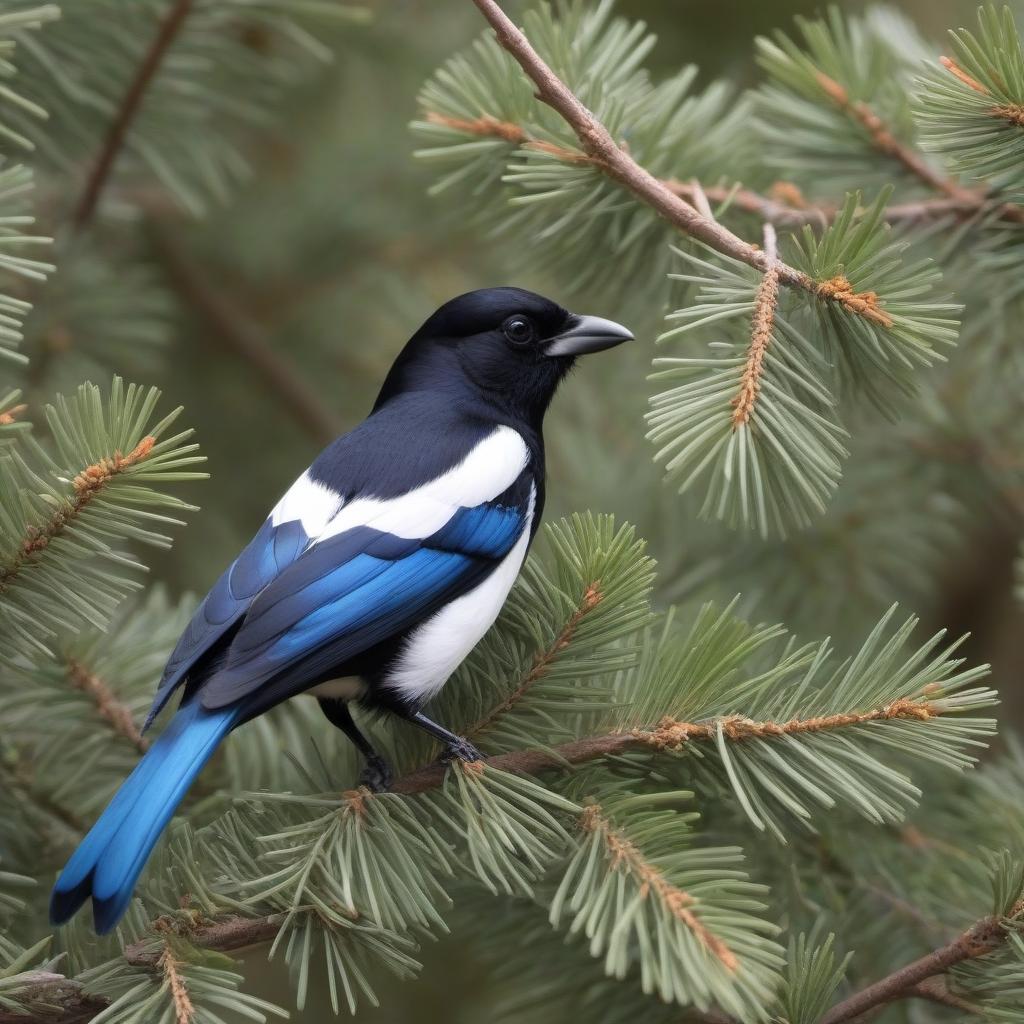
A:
[(587, 334)]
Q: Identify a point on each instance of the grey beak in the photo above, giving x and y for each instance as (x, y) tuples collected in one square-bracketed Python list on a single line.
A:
[(588, 334)]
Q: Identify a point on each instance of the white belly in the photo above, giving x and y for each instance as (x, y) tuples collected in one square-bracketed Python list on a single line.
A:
[(436, 648)]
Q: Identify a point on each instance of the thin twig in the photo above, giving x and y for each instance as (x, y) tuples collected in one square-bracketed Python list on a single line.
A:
[(599, 146), (668, 734), (60, 1000), (87, 484), (229, 326), (111, 710), (886, 142), (762, 327), (184, 1010), (935, 990), (224, 936), (591, 598), (986, 936), (118, 131), (787, 209), (677, 902)]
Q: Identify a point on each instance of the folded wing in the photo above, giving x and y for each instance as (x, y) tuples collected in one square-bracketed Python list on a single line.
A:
[(352, 591), (297, 520)]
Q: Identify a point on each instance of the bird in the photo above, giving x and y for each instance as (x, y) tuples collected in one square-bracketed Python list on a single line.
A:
[(372, 578)]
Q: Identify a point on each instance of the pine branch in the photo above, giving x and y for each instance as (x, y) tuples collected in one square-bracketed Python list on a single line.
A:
[(61, 1001), (788, 208), (678, 903), (971, 108), (233, 932), (981, 939), (571, 622), (118, 131), (601, 149), (86, 486), (542, 661), (112, 710), (886, 142), (223, 936), (184, 1010), (668, 734), (766, 302), (63, 508)]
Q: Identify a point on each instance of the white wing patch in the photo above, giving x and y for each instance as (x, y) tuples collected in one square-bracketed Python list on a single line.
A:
[(437, 647), (491, 467), (311, 503)]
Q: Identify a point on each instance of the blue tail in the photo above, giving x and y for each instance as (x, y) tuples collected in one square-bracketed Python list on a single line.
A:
[(111, 857)]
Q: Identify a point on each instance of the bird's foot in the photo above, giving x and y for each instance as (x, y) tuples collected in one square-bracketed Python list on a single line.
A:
[(461, 750), (376, 775)]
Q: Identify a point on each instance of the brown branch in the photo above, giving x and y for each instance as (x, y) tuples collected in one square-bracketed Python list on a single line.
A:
[(979, 940), (53, 999), (87, 484), (118, 131), (48, 991), (935, 990), (783, 207), (184, 1011), (224, 936), (234, 933), (229, 326), (591, 598), (668, 734), (864, 303), (12, 414), (17, 775), (885, 142), (761, 329), (602, 150), (676, 901), (110, 709)]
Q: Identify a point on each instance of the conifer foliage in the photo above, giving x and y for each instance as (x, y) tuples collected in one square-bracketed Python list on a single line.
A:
[(684, 812)]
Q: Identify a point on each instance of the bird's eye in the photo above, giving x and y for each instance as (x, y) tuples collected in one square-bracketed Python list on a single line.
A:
[(518, 330)]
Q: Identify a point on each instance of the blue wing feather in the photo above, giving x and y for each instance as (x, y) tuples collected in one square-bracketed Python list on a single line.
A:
[(263, 559), (319, 613)]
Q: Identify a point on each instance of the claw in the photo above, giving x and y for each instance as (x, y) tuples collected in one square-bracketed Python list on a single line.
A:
[(461, 750), (376, 775)]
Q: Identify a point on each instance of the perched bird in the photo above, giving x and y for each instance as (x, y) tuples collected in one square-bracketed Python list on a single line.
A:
[(373, 577)]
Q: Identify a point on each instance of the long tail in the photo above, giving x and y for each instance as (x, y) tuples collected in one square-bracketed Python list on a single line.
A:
[(111, 857)]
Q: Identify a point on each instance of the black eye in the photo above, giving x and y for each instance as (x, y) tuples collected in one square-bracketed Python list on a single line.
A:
[(518, 330)]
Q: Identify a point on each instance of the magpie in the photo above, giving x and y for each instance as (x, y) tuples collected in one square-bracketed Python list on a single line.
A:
[(373, 577)]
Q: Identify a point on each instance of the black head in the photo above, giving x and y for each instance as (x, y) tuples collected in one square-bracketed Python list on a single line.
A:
[(508, 345)]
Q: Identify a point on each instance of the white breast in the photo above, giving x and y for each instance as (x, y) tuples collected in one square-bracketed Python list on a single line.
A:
[(437, 647)]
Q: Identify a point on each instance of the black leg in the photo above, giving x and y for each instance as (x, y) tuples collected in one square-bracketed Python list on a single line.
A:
[(376, 775), (457, 746)]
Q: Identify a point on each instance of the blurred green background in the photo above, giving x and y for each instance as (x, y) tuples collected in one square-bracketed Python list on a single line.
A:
[(333, 254)]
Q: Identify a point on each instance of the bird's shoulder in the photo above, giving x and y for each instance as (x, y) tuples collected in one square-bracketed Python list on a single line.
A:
[(415, 439)]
